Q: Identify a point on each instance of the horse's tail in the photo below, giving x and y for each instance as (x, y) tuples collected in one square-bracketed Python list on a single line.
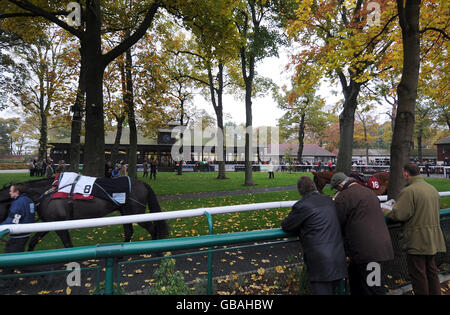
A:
[(152, 201), (161, 228)]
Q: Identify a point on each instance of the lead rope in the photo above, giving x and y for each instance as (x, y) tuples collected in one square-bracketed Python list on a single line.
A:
[(136, 201)]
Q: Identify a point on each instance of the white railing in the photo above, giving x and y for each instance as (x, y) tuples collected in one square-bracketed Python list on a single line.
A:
[(137, 218)]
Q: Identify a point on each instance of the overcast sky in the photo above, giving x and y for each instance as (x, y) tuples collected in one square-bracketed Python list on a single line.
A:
[(265, 110)]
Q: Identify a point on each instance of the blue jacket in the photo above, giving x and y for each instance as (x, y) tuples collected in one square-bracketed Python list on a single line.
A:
[(21, 211)]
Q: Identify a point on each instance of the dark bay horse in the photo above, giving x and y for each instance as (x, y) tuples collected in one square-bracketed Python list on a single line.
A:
[(323, 178), (35, 189), (65, 209)]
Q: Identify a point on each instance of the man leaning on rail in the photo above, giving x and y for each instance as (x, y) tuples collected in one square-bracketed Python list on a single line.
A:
[(366, 236), (314, 220)]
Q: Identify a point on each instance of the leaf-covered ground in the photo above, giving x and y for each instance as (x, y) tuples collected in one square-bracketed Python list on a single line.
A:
[(273, 279)]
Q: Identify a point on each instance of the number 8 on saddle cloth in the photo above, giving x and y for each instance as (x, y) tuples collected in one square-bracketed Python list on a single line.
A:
[(112, 189)]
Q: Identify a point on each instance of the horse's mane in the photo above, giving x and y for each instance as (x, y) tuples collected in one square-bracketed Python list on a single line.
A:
[(27, 182), (325, 174), (30, 184)]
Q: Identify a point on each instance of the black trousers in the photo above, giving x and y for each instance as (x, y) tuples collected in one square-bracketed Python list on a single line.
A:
[(323, 287), (357, 276), (16, 245)]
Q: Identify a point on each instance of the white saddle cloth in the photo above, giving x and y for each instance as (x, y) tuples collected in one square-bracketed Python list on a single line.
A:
[(83, 186)]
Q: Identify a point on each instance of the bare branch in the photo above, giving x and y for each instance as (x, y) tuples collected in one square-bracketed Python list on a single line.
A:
[(27, 6), (436, 30), (134, 38)]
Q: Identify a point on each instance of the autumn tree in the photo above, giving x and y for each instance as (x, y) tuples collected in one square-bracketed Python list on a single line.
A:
[(46, 74), (181, 88), (14, 74), (213, 51), (434, 76), (366, 129), (114, 91), (303, 112), (96, 17), (339, 43), (259, 24), (7, 127), (155, 103)]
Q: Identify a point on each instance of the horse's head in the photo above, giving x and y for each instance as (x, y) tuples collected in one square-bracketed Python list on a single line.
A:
[(35, 189), (321, 179), (4, 210), (318, 181), (5, 203)]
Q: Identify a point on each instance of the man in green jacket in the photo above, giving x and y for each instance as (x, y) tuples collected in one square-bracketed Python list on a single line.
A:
[(418, 207)]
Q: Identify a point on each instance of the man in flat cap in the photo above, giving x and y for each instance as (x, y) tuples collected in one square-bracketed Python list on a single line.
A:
[(366, 236)]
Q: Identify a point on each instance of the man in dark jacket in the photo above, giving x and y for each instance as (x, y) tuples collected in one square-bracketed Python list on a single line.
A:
[(315, 221), (21, 211), (153, 168), (366, 237)]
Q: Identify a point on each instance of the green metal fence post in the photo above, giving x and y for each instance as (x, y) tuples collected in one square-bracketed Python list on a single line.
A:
[(3, 233), (210, 254), (342, 287), (109, 276)]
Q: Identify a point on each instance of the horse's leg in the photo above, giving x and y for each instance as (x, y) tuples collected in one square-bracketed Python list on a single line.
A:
[(128, 230), (65, 238), (150, 227), (35, 240)]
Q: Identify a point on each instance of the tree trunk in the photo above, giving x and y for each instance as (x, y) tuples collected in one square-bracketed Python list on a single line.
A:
[(218, 109), (346, 128), (180, 163), (43, 117), (447, 119), (366, 142), (394, 107), (419, 146), (407, 93), (220, 143), (248, 135), (94, 148), (248, 79), (116, 145), (75, 132), (301, 136), (132, 152), (43, 137)]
